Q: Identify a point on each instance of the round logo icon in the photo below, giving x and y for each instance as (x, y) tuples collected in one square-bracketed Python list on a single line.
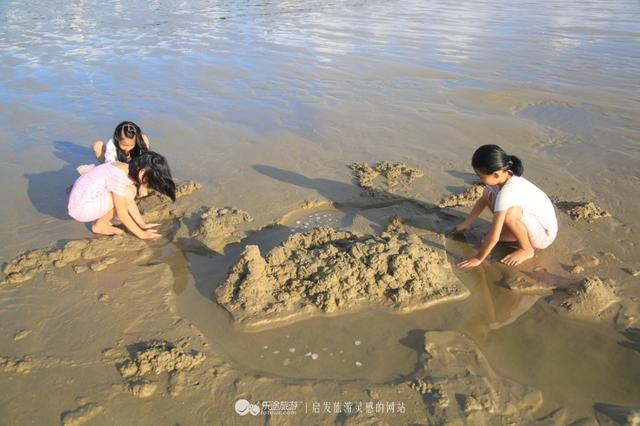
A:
[(244, 407)]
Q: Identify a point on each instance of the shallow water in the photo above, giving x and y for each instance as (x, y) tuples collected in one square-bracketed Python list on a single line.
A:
[(265, 103)]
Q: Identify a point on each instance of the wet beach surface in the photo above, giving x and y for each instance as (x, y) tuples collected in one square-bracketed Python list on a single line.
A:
[(266, 104)]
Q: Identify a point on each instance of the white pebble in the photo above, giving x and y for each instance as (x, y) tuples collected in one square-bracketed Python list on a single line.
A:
[(357, 343), (358, 364), (276, 352), (297, 222), (265, 347), (307, 354), (314, 356), (292, 350)]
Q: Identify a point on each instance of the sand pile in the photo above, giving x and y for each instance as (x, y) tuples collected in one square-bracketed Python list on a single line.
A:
[(324, 270), (393, 173), (457, 384), (216, 226), (467, 197), (581, 210), (100, 252), (588, 300), (157, 357)]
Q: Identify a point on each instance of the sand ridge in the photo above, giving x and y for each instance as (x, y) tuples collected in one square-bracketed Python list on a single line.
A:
[(469, 196), (587, 211), (394, 174)]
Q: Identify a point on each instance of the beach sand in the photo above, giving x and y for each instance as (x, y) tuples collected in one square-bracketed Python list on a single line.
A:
[(305, 267)]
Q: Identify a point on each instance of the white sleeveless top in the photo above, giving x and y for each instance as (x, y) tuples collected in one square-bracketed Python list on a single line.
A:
[(110, 154)]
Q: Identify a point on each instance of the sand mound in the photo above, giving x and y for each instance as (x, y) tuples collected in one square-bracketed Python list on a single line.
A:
[(582, 210), (158, 357), (393, 173), (467, 197), (325, 270), (458, 384), (27, 264), (588, 300), (216, 226)]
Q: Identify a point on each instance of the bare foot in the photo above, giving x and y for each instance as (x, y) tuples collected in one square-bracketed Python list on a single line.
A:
[(108, 229), (517, 257)]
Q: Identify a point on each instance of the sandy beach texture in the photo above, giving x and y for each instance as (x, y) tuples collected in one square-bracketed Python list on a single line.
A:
[(305, 275)]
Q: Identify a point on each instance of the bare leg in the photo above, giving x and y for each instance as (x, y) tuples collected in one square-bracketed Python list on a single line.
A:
[(514, 224), (505, 236), (104, 226)]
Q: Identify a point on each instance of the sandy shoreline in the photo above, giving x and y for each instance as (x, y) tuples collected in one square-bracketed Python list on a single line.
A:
[(179, 362), (292, 117)]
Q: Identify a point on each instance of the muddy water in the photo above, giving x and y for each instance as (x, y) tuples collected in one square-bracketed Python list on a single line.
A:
[(265, 103)]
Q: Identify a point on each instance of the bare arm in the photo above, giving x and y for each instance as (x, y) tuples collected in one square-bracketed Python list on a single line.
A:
[(480, 204), (135, 214), (493, 236), (121, 205), (145, 139), (489, 242)]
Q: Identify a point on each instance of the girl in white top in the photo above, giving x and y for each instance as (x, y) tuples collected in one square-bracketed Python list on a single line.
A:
[(522, 212), (127, 143)]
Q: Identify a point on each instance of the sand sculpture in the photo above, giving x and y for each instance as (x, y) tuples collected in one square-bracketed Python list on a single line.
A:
[(324, 270)]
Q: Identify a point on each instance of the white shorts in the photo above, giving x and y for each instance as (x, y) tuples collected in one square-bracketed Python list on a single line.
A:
[(539, 237)]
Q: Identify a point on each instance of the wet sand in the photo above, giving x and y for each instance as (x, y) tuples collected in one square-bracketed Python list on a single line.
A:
[(130, 332)]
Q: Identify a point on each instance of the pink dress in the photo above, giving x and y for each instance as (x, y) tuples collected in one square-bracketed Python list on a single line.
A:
[(91, 196)]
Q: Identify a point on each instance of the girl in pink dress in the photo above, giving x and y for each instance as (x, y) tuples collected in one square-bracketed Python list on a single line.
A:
[(109, 190)]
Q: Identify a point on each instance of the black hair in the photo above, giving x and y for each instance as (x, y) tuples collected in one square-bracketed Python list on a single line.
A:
[(491, 158), (130, 130), (156, 173)]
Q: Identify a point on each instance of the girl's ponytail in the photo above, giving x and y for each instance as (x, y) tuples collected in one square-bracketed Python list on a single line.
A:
[(515, 165), (491, 158)]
